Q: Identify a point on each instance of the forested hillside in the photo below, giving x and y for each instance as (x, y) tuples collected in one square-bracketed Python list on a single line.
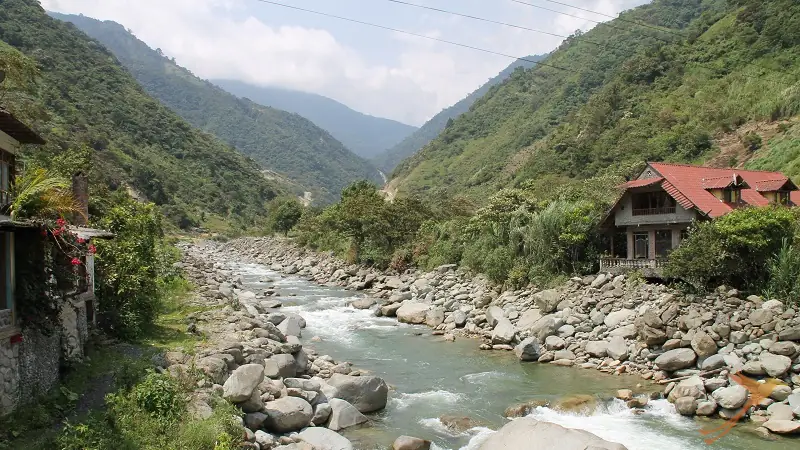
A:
[(365, 135), (83, 98), (390, 158), (623, 93), (278, 140)]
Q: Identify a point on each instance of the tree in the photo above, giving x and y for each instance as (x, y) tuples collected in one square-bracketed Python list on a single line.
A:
[(358, 215), (286, 216)]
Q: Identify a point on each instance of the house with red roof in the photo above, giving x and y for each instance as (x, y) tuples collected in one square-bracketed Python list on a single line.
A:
[(655, 210)]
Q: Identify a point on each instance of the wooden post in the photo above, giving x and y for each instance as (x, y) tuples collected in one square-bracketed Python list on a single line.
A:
[(630, 244)]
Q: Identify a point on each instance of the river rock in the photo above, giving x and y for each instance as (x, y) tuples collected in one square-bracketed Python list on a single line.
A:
[(410, 443), (780, 392), (434, 317), (264, 439), (617, 348), (780, 411), (782, 426), (554, 343), (322, 412), (363, 303), (412, 312), (254, 420), (598, 349), (690, 387), (731, 397), (615, 318), (547, 300), (366, 393), (775, 365), (703, 345), (290, 326), (242, 382), (686, 406), (527, 433), (783, 348), (528, 318), (528, 350), (325, 439), (546, 326), (790, 333), (713, 362), (288, 414), (706, 408), (503, 332), (344, 415), (459, 318), (759, 317), (680, 358), (493, 314), (213, 368), (280, 366)]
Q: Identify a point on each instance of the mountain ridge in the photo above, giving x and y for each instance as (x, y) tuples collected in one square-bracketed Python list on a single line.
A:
[(364, 134), (280, 141), (391, 157)]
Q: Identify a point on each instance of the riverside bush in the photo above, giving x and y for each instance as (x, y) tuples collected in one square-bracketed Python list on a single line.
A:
[(735, 249)]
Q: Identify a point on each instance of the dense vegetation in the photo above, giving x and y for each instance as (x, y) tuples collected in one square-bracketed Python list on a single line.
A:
[(85, 98), (625, 95), (279, 141), (365, 135), (390, 158)]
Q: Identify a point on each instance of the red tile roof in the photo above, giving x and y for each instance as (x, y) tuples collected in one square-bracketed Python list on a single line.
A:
[(771, 185), (686, 184)]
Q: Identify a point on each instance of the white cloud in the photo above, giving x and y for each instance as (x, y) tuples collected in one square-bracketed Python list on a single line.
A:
[(225, 39)]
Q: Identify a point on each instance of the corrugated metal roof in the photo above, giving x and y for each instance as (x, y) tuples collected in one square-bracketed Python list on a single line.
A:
[(18, 130), (641, 183), (771, 185)]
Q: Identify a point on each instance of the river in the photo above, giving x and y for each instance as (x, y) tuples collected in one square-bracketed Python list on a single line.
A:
[(431, 378)]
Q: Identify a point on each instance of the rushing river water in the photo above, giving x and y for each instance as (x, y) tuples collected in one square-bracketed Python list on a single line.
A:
[(431, 378)]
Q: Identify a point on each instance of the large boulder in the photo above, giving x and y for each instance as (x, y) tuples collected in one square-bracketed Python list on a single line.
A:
[(613, 319), (782, 426), (288, 414), (434, 317), (703, 345), (504, 332), (493, 314), (325, 439), (686, 406), (243, 381), (731, 397), (679, 358), (528, 318), (775, 365), (617, 348), (412, 312), (527, 433), (790, 333), (690, 387), (598, 349), (410, 443), (528, 350), (366, 393), (214, 368), (280, 366), (759, 317), (546, 326), (344, 415), (290, 326), (547, 301)]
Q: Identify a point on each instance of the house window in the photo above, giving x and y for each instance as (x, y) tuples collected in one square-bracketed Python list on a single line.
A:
[(6, 173), (731, 195), (783, 198), (641, 245), (663, 243), (651, 203)]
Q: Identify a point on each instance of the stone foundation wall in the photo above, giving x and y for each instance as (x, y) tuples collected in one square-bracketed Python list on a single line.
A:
[(5, 318), (9, 376), (39, 363)]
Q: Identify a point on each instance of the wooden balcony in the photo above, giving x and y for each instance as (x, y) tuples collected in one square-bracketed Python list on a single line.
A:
[(653, 211), (651, 268)]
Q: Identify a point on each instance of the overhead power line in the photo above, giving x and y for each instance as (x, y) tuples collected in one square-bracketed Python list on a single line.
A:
[(621, 19), (606, 23), (483, 19), (396, 30)]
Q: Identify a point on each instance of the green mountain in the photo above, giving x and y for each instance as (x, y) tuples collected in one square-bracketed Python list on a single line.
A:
[(84, 98), (623, 93), (365, 135), (390, 158), (278, 140)]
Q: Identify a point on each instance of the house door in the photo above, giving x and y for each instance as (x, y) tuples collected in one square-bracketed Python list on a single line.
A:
[(641, 245)]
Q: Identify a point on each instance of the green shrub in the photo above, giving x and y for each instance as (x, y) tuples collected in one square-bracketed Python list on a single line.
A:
[(285, 215), (734, 249), (784, 274), (752, 141), (160, 395), (93, 434)]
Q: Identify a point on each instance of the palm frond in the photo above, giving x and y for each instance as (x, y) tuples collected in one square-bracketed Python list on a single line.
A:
[(39, 194)]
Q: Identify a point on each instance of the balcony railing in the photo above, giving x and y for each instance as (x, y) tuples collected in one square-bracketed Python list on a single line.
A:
[(633, 264), (653, 211)]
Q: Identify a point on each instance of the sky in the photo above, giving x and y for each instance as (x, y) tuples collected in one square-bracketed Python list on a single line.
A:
[(375, 71)]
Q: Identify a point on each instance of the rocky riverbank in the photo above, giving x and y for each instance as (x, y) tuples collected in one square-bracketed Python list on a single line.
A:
[(613, 324)]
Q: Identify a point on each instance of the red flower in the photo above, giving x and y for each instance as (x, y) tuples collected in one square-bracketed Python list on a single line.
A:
[(61, 222), (56, 232), (75, 262), (81, 240), (92, 249), (44, 232)]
